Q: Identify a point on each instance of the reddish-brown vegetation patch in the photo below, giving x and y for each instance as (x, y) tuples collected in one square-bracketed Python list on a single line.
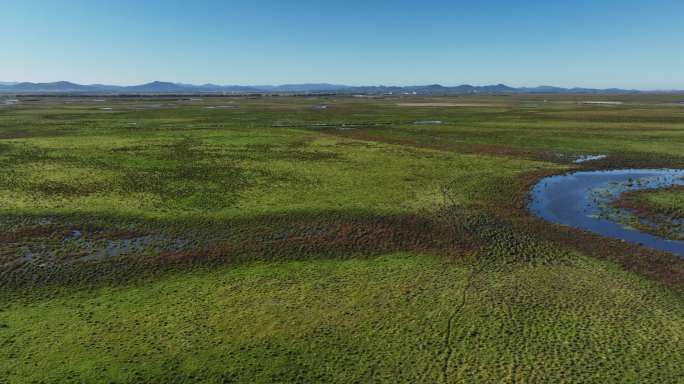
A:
[(486, 149), (332, 236), (278, 238), (29, 233)]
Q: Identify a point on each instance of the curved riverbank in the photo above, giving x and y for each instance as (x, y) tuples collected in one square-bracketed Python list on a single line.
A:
[(584, 200)]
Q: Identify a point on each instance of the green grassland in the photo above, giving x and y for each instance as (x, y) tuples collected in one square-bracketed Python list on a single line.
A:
[(263, 239)]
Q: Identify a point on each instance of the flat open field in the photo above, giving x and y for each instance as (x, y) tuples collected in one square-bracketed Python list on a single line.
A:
[(326, 239)]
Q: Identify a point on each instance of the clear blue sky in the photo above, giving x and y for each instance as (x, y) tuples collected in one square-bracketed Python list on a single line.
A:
[(599, 43)]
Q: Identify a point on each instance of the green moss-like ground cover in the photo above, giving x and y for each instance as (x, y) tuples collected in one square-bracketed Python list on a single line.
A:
[(269, 241), (346, 321)]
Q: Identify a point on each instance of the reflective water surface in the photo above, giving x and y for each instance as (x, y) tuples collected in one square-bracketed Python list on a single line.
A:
[(583, 200)]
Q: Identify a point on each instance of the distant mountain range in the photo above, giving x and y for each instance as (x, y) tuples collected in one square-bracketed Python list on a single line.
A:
[(160, 87)]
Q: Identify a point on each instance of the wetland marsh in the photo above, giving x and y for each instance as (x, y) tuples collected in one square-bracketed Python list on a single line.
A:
[(266, 239)]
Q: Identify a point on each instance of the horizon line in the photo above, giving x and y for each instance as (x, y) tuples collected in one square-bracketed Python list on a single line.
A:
[(14, 82)]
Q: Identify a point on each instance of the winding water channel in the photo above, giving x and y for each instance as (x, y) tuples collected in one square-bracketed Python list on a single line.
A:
[(583, 200)]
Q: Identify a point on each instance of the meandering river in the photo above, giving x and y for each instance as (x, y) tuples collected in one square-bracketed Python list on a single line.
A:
[(583, 200)]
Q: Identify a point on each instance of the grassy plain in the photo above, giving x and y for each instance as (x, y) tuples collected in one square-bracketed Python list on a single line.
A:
[(375, 240)]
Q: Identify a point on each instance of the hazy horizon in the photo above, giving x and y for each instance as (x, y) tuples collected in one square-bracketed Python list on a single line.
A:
[(587, 44), (257, 85)]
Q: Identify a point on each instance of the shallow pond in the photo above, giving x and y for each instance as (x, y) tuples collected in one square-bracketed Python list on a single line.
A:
[(583, 200)]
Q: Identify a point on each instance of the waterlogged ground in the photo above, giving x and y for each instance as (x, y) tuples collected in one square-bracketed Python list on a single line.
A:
[(326, 239), (661, 210)]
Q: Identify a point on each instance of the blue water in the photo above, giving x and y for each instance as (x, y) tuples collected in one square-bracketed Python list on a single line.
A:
[(582, 200)]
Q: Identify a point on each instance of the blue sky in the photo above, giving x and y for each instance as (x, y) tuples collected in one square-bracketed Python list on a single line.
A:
[(600, 43)]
